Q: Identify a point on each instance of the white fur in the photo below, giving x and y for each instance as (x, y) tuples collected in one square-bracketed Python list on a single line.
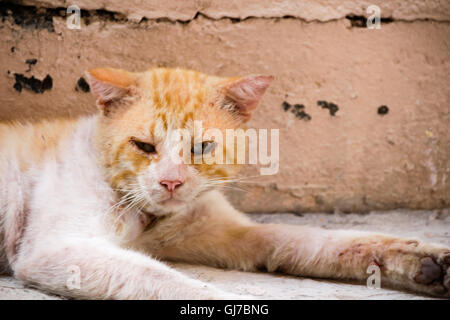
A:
[(67, 226)]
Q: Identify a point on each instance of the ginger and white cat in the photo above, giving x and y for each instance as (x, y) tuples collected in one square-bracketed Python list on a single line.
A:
[(104, 195)]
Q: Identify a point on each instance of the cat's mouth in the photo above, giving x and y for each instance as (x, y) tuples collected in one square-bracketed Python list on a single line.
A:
[(172, 202), (163, 207)]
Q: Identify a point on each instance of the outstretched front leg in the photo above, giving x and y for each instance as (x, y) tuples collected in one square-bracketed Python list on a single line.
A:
[(216, 234), (98, 269)]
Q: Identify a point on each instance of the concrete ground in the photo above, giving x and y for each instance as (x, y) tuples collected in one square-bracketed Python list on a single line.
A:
[(432, 226)]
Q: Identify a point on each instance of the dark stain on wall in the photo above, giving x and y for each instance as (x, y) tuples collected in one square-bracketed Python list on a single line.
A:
[(332, 107), (361, 21), (30, 62), (32, 84), (82, 85), (27, 17), (31, 17), (297, 109), (383, 110)]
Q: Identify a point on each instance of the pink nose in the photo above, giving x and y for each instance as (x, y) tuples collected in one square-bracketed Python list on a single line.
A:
[(171, 185)]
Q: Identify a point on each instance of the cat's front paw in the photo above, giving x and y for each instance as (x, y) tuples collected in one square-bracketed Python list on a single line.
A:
[(417, 266), (434, 273)]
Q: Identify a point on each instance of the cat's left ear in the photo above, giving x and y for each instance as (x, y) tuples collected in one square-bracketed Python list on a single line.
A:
[(243, 95), (110, 86)]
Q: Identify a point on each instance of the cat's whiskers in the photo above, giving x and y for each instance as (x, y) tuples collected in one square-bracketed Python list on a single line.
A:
[(125, 198), (138, 196), (223, 186)]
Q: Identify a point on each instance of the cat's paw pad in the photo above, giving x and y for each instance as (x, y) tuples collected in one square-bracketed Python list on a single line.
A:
[(434, 272), (445, 261), (429, 271)]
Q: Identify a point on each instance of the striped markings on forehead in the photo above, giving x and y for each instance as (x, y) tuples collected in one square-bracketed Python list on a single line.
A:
[(177, 90), (165, 120)]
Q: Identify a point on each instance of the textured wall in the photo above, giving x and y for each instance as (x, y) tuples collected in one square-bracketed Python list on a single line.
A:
[(350, 155)]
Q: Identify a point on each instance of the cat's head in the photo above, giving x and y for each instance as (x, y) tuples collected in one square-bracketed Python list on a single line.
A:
[(144, 127)]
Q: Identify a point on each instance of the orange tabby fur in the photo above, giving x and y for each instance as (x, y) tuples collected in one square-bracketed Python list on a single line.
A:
[(86, 195)]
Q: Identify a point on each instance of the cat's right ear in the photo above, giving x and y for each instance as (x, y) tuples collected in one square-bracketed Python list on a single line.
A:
[(242, 95), (110, 86)]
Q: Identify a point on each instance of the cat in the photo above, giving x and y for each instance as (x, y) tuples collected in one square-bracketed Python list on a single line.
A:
[(104, 199)]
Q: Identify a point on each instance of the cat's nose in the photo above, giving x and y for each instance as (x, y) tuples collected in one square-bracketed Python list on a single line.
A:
[(170, 185)]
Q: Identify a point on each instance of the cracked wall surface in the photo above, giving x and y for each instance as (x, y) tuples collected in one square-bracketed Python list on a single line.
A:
[(363, 114), (308, 10)]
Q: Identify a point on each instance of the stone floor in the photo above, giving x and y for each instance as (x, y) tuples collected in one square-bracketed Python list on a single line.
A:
[(432, 226)]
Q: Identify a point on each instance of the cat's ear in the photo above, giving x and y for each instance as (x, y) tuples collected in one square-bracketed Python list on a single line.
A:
[(243, 95), (110, 86)]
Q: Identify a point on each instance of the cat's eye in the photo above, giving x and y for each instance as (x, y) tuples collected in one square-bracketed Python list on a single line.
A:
[(204, 147), (146, 147)]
